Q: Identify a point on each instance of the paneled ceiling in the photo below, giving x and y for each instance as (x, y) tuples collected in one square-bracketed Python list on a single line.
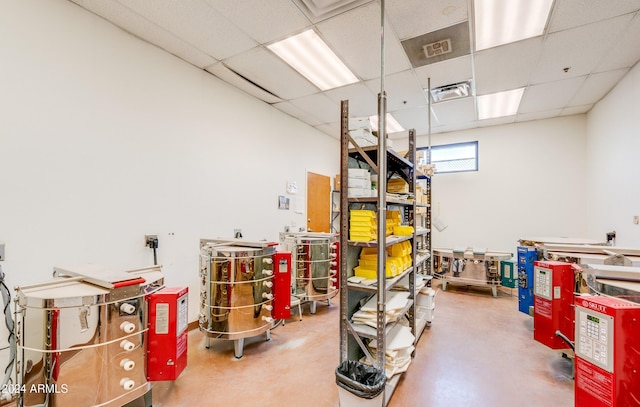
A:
[(586, 48)]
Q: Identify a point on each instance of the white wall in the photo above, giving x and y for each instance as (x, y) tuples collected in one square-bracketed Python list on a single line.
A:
[(105, 138), (531, 183), (613, 141)]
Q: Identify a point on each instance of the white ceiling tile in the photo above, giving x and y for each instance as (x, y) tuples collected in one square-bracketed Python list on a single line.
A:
[(294, 111), (570, 14), (197, 23), (498, 121), (568, 111), (256, 17), (403, 90), (264, 68), (580, 49), (548, 96), (362, 102), (137, 25), (320, 106), (445, 72), (222, 72), (524, 117), (413, 119), (625, 52), (411, 18), (453, 111), (330, 129), (355, 37), (506, 67), (596, 86)]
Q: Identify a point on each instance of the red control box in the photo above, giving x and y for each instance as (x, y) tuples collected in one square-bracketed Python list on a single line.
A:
[(607, 352), (281, 285), (553, 290), (167, 345)]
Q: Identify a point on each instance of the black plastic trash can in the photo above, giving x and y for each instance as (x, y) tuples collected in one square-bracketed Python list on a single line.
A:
[(360, 384)]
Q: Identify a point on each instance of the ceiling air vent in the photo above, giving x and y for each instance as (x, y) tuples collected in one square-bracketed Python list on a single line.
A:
[(450, 92), (437, 48), (318, 10)]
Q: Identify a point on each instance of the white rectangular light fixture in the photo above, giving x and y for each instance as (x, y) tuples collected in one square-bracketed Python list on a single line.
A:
[(499, 22), (499, 104), (313, 59), (392, 124)]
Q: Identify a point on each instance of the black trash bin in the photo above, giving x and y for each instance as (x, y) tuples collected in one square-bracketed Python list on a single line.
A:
[(360, 384)]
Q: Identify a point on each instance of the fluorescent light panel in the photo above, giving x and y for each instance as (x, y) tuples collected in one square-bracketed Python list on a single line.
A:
[(313, 59), (499, 104), (499, 22), (392, 124)]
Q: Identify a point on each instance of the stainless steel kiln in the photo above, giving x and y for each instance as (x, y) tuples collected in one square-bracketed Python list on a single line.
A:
[(81, 337), (236, 281), (315, 265)]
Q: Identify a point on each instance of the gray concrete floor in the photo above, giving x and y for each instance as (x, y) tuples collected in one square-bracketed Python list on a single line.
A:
[(479, 351)]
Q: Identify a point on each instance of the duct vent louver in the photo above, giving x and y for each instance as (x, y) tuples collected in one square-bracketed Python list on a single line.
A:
[(449, 92)]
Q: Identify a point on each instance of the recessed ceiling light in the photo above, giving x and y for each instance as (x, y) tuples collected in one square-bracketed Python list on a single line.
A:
[(312, 58), (392, 124), (499, 22), (499, 104)]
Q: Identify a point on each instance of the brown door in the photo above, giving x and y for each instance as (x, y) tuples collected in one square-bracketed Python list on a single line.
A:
[(318, 203)]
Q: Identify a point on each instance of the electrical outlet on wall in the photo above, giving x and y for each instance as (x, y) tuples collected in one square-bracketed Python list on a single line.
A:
[(636, 219)]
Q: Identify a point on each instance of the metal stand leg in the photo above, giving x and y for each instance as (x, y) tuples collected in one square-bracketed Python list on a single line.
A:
[(268, 335), (444, 285), (147, 398), (238, 346), (208, 345), (494, 290), (313, 307)]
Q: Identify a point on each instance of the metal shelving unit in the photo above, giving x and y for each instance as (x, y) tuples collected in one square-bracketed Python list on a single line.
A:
[(380, 160)]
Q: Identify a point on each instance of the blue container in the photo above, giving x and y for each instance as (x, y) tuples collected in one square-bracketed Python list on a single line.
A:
[(526, 256)]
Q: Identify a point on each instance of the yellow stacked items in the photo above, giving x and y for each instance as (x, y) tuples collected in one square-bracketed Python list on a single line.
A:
[(362, 225), (401, 253), (368, 265), (397, 186), (393, 219), (403, 230)]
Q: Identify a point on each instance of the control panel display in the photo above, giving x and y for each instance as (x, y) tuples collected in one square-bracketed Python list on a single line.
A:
[(594, 338), (542, 282)]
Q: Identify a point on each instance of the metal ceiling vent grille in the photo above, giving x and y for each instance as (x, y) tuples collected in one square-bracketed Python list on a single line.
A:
[(318, 10), (450, 92), (437, 46)]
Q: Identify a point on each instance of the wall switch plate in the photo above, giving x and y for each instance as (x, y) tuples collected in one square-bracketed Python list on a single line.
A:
[(636, 220), (1, 251)]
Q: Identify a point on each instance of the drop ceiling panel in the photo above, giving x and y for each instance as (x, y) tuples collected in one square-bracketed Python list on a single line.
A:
[(319, 106), (454, 111), (626, 50), (596, 86), (580, 49), (196, 23), (133, 23), (415, 17), (497, 121), (256, 17), (267, 70), (362, 102), (548, 96), (458, 42), (222, 72), (445, 72), (523, 117), (403, 90), (506, 67), (567, 111), (294, 111), (570, 14), (355, 37), (412, 119)]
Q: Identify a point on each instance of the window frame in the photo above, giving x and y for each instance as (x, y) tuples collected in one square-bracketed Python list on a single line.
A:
[(450, 145)]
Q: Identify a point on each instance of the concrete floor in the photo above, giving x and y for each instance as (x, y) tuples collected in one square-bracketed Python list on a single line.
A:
[(479, 351)]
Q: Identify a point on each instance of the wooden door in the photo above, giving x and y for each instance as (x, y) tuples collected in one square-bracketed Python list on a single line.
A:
[(318, 203)]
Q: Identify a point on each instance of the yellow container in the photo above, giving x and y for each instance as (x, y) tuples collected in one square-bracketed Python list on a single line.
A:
[(361, 237), (403, 230), (362, 214), (400, 249)]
